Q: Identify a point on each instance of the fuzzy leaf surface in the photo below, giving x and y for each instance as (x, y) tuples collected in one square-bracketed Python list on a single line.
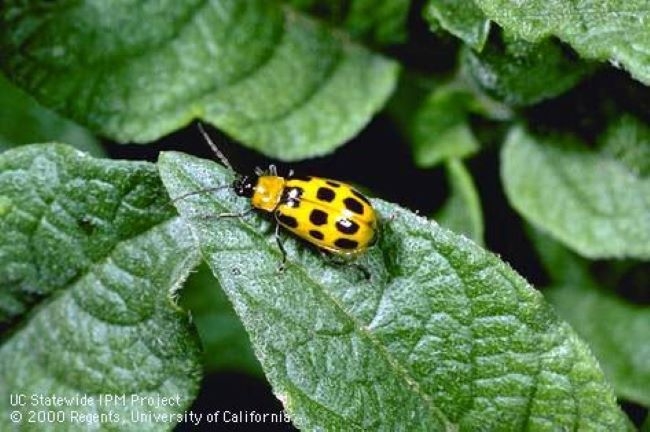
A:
[(443, 336), (89, 253), (273, 79), (615, 329), (593, 203), (521, 73), (464, 20), (607, 30)]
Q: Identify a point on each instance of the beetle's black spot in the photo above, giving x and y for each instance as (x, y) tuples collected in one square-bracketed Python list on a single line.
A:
[(318, 217), (344, 243), (316, 234), (346, 226), (353, 205), (325, 194), (301, 177), (287, 220), (333, 184), (361, 197)]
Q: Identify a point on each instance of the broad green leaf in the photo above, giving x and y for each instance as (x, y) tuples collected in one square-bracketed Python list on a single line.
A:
[(439, 129), (616, 330), (91, 247), (434, 116), (462, 211), (380, 22), (589, 201), (383, 22), (611, 30), (628, 140), (63, 212), (278, 82), (561, 265), (463, 19), (443, 336), (523, 73), (23, 121), (226, 346), (408, 98)]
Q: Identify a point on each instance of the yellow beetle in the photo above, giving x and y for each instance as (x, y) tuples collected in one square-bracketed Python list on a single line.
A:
[(329, 214)]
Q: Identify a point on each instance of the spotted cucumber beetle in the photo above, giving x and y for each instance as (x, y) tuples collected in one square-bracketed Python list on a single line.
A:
[(329, 214)]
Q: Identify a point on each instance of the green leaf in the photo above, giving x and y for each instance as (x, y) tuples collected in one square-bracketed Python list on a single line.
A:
[(523, 73), (617, 331), (562, 266), (23, 121), (434, 116), (610, 30), (63, 212), (381, 22), (462, 211), (226, 346), (90, 247), (592, 203), (269, 77), (443, 336), (439, 128), (464, 20), (628, 140)]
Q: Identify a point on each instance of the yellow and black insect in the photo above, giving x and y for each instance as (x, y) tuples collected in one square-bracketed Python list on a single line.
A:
[(329, 214)]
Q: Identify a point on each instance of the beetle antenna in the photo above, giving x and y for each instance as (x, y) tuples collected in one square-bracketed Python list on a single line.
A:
[(212, 189), (214, 148)]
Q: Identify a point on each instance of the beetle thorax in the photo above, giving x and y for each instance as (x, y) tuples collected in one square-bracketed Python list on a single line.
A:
[(268, 192)]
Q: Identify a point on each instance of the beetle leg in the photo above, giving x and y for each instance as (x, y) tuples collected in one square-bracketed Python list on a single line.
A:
[(238, 215), (332, 259), (207, 217), (278, 240), (362, 269)]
